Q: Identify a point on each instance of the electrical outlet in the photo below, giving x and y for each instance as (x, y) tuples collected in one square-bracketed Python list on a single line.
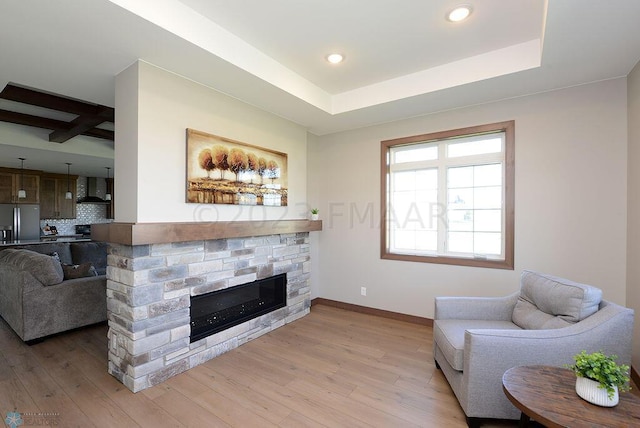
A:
[(363, 291)]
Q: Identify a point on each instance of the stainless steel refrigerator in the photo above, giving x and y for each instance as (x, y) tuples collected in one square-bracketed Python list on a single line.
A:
[(24, 220)]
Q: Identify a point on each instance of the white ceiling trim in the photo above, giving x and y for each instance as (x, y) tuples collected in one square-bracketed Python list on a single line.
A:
[(520, 57), (184, 22), (177, 18)]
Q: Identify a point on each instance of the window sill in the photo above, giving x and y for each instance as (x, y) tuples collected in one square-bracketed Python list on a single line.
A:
[(458, 261)]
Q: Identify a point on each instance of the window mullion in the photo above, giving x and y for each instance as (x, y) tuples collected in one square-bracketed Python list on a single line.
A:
[(442, 201)]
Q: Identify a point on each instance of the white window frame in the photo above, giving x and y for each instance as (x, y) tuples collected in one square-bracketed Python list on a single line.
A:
[(442, 255)]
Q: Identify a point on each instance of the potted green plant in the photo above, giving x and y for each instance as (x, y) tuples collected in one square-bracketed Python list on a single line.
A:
[(314, 213), (600, 377)]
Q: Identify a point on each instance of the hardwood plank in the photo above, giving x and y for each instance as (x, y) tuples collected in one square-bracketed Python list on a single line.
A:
[(310, 408), (144, 411), (216, 403), (187, 411), (48, 396), (259, 368), (14, 396), (390, 404), (371, 416), (296, 420), (253, 401), (295, 357), (324, 379), (55, 358)]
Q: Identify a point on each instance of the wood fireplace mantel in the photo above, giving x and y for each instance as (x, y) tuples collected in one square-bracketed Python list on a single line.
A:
[(162, 233)]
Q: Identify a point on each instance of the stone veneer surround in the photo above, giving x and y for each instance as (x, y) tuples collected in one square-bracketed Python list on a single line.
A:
[(148, 296)]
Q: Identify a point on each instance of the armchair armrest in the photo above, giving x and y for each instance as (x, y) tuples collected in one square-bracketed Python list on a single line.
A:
[(475, 308), (608, 330)]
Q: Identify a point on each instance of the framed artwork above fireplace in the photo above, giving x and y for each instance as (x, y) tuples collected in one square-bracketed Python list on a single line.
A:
[(225, 171)]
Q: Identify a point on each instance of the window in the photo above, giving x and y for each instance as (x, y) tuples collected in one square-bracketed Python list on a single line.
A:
[(448, 197)]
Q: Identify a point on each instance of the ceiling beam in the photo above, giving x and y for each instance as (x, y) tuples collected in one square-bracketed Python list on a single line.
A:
[(54, 124), (89, 115), (79, 125), (56, 102)]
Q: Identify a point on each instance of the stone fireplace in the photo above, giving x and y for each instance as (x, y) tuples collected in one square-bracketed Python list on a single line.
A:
[(151, 286)]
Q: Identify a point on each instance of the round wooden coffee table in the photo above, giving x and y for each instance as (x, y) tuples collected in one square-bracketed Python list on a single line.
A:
[(548, 395)]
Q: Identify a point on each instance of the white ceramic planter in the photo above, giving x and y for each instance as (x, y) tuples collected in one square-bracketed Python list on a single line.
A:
[(315, 216), (588, 390)]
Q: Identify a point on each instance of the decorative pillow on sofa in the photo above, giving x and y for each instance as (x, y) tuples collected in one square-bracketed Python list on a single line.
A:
[(43, 267), (78, 271), (550, 302)]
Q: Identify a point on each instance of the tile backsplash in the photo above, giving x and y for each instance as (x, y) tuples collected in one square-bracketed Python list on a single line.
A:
[(85, 213)]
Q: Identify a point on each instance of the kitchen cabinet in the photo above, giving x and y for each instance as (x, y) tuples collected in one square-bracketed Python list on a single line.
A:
[(53, 203), (11, 182)]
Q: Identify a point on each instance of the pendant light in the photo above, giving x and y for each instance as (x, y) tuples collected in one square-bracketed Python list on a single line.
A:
[(22, 193), (107, 196), (68, 195)]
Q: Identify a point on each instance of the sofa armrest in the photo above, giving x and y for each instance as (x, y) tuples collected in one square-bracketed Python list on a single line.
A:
[(71, 304), (475, 308)]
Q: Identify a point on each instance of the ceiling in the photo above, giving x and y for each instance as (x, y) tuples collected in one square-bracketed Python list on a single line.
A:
[(403, 58)]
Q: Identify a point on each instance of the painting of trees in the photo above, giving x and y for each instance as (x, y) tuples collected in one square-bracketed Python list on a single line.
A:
[(252, 164), (273, 170), (262, 168), (206, 161), (220, 158), (207, 153), (238, 161)]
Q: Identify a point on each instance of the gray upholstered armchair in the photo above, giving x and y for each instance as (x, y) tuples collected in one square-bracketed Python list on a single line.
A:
[(547, 322)]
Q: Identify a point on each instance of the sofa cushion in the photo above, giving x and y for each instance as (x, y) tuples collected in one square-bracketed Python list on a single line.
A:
[(78, 271), (43, 267), (449, 335), (550, 302), (62, 248), (93, 252)]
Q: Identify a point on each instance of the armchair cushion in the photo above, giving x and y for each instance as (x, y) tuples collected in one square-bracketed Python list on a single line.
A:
[(550, 302), (449, 335)]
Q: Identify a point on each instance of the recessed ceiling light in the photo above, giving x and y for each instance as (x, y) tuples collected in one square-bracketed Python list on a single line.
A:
[(335, 58), (460, 13)]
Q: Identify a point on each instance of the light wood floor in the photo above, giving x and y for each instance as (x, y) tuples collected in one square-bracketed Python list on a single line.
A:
[(332, 368)]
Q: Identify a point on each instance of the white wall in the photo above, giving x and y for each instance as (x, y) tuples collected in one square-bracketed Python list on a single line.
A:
[(169, 104), (571, 175), (633, 213), (125, 177)]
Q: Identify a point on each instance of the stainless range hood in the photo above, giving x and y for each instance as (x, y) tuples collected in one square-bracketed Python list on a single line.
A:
[(93, 193)]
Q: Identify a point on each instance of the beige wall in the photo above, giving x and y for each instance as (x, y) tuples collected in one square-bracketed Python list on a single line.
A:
[(633, 213), (155, 137), (314, 187), (571, 175)]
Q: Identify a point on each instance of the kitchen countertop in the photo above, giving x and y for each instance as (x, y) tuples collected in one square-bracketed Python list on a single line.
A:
[(58, 238)]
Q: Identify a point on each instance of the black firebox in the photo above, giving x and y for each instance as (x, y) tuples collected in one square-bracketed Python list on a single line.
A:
[(222, 309)]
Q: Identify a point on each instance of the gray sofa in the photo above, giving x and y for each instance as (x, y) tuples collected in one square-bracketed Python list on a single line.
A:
[(37, 299), (547, 322)]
